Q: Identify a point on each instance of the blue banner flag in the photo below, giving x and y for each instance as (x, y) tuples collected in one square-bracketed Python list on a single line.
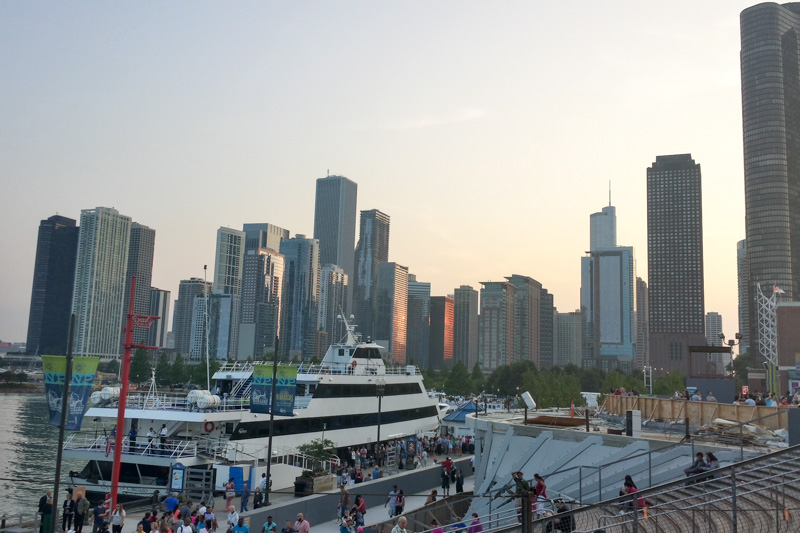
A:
[(55, 371), (260, 398)]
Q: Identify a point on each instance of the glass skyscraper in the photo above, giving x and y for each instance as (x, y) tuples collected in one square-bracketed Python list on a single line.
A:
[(335, 224), (770, 66)]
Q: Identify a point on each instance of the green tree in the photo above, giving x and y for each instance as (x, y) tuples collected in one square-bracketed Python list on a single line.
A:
[(163, 371), (109, 367), (180, 373), (740, 366), (140, 366), (552, 388), (617, 379), (667, 384), (592, 380), (477, 379), (458, 382), (507, 379)]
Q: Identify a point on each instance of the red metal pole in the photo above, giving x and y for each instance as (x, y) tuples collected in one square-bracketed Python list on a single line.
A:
[(123, 396)]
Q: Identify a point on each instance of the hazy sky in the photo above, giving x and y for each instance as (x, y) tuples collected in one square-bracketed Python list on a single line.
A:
[(488, 131)]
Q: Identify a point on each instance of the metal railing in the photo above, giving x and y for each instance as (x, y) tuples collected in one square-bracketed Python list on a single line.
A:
[(596, 476), (172, 449), (759, 494)]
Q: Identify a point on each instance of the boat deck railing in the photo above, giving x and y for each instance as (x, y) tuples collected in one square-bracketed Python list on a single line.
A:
[(177, 402), (173, 448), (369, 368)]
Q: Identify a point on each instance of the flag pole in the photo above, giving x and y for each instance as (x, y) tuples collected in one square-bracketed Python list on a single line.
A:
[(62, 425)]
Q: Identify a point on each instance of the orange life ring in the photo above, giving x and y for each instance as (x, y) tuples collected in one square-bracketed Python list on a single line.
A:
[(355, 364), (209, 427)]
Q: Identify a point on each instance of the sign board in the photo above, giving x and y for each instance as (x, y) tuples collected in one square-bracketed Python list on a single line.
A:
[(745, 390), (177, 478)]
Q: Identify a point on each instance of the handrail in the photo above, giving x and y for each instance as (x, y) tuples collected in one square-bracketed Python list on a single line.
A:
[(663, 488)]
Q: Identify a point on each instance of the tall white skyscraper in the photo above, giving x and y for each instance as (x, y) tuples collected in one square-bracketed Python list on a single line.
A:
[(228, 275), (159, 306), (713, 329), (99, 290), (608, 297), (603, 229)]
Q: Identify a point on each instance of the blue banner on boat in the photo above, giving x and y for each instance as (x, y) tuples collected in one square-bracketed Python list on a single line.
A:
[(261, 396), (55, 371)]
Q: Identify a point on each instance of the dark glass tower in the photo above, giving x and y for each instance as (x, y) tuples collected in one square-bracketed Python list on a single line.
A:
[(372, 249), (771, 120), (335, 224), (53, 278), (675, 261)]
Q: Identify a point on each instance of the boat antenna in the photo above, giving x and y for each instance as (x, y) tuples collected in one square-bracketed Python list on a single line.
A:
[(205, 311), (349, 336)]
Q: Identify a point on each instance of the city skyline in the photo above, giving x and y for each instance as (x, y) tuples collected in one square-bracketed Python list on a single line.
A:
[(463, 188)]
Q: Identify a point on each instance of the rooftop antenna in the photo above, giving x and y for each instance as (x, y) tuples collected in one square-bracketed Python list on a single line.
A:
[(609, 193), (329, 173)]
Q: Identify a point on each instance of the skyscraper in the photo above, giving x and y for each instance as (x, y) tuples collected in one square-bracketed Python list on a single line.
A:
[(188, 291), (391, 309), (441, 336), (372, 249), (301, 283), (771, 118), (228, 276), (642, 325), (742, 275), (140, 264), (419, 322), (159, 306), (334, 288), (220, 311), (335, 224), (608, 298), (53, 278), (675, 261), (568, 339), (99, 290), (527, 292), (713, 329), (546, 329), (465, 326), (496, 325), (264, 235), (259, 319), (603, 228)]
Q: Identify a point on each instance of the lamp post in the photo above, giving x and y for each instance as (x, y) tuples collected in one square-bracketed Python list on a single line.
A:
[(380, 387)]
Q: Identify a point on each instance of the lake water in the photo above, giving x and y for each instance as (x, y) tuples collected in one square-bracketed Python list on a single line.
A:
[(28, 445)]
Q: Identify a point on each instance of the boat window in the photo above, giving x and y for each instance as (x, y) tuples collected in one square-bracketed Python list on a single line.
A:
[(367, 353), (341, 351), (300, 390), (352, 390), (294, 426)]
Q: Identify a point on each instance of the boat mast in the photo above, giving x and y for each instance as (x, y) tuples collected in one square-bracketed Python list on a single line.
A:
[(205, 318)]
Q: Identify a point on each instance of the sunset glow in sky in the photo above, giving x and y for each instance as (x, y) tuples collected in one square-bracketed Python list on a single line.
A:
[(488, 131)]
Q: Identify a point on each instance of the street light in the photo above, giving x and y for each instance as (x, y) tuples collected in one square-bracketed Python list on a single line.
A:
[(380, 387)]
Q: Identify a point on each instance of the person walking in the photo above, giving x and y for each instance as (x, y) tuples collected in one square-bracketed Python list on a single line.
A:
[(117, 519), (230, 493), (445, 482), (245, 497)]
